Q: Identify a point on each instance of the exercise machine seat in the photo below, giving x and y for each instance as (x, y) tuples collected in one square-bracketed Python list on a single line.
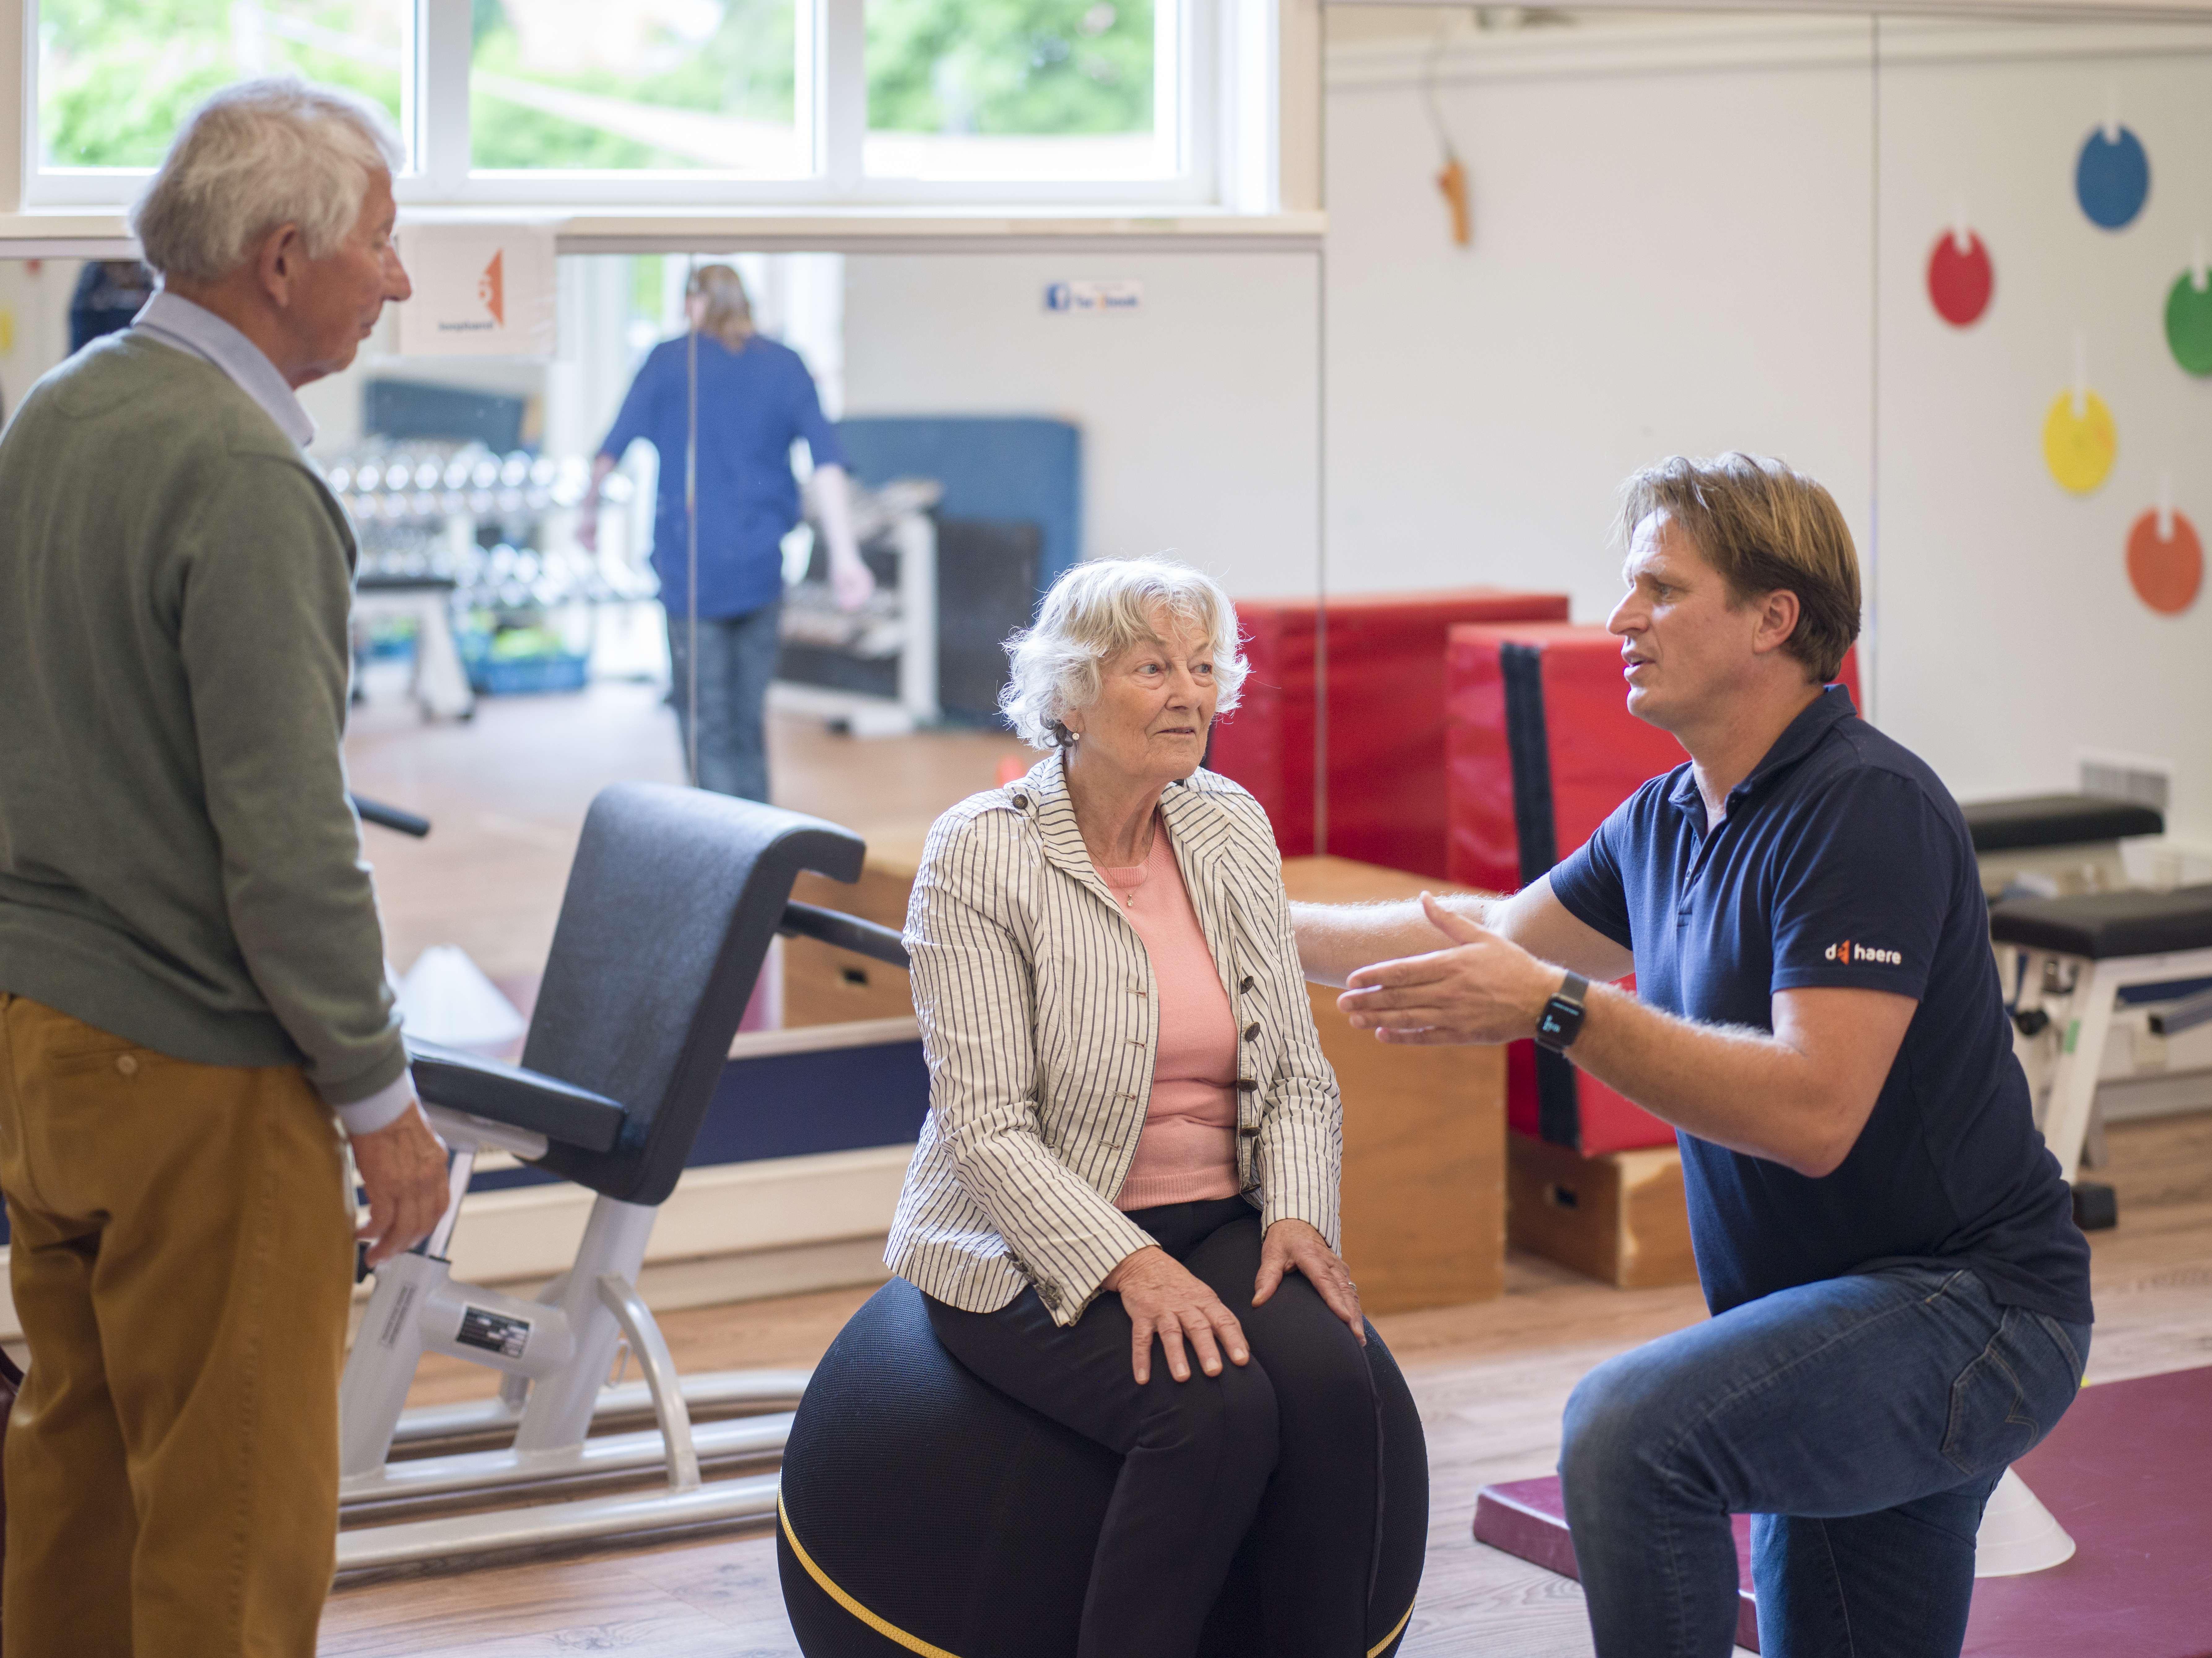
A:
[(2055, 820), (925, 1511), (2105, 925), (672, 900)]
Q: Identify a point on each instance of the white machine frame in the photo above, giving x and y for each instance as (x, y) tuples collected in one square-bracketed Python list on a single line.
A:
[(914, 535), (440, 681), (556, 1353), (2079, 995)]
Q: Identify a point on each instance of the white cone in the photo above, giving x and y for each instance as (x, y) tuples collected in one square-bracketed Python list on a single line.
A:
[(446, 999), (2017, 1534)]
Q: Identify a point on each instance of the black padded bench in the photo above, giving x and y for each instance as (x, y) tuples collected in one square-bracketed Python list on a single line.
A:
[(2055, 844), (2079, 954), (2057, 820)]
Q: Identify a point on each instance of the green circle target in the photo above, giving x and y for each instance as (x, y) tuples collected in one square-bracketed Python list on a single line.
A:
[(2189, 323)]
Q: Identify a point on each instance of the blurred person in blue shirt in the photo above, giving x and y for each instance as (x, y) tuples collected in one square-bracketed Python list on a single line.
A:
[(753, 398)]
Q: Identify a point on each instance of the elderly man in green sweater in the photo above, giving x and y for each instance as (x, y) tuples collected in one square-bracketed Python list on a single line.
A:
[(193, 997)]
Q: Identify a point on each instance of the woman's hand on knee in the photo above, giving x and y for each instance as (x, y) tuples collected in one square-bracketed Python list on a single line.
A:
[(1164, 1298), (1293, 1245)]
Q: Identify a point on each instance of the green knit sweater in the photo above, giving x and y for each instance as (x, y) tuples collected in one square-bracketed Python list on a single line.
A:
[(178, 865)]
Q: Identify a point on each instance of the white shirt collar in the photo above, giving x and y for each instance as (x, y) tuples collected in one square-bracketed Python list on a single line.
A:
[(176, 321)]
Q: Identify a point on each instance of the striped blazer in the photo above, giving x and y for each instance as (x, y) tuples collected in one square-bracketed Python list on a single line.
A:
[(1040, 1019)]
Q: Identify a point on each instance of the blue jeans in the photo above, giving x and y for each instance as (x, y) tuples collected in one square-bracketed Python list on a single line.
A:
[(1862, 1422), (736, 660)]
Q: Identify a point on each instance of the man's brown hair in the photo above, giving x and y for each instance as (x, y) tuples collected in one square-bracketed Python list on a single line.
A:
[(1765, 528)]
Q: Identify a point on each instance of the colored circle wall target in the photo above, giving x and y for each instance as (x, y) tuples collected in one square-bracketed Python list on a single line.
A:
[(2080, 448), (1960, 278), (2166, 572), (2112, 178), (2188, 323)]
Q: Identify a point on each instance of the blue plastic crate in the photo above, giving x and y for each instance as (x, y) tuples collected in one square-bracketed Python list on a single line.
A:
[(526, 675)]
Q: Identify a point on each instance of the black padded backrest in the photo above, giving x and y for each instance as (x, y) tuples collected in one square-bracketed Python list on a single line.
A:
[(671, 902)]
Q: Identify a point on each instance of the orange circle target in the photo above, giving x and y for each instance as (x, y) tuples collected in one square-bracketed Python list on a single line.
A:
[(2166, 572)]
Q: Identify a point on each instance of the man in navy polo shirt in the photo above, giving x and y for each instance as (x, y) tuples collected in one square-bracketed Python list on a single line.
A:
[(1900, 1299)]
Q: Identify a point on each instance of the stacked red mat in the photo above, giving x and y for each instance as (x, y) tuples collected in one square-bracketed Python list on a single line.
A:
[(1539, 749), (1384, 705)]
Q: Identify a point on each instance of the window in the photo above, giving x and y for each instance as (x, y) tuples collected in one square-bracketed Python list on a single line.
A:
[(115, 77), (648, 85), (1021, 89), (690, 103)]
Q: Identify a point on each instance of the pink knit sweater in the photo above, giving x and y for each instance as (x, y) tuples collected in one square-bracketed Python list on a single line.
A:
[(1188, 1147)]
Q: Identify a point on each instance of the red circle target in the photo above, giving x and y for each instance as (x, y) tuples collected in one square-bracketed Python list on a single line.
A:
[(1960, 278), (2166, 572)]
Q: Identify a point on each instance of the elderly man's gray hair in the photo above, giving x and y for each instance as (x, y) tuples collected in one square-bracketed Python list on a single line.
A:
[(1094, 613), (255, 156)]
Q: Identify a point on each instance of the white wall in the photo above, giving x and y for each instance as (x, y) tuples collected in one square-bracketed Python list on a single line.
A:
[(34, 331), (1663, 260), (2011, 639), (1199, 411), (1675, 251)]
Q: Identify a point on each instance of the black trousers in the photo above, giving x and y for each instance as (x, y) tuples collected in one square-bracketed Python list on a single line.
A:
[(1281, 1458)]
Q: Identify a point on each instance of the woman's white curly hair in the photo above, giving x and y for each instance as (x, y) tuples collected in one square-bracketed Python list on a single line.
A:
[(1094, 613)]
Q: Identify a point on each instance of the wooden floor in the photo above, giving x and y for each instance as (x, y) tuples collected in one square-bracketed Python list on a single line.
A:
[(1491, 1380), (507, 793)]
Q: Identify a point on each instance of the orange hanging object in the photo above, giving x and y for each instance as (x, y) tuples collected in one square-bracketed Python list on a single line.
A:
[(1452, 181)]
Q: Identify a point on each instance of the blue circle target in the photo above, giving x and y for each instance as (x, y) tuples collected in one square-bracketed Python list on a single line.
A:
[(2113, 178)]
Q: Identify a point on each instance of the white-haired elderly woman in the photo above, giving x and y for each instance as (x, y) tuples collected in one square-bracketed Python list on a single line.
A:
[(1134, 1141)]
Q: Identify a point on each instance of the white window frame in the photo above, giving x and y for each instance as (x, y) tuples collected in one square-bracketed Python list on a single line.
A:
[(1221, 58)]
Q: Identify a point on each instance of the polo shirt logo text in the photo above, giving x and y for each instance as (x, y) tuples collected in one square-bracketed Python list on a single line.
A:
[(1847, 952)]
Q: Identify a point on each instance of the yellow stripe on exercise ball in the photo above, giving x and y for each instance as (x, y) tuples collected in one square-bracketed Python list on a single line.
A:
[(891, 1631), (1396, 1630), (888, 1630)]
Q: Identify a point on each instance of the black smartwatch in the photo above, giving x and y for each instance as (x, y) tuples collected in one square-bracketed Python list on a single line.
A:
[(1561, 1021)]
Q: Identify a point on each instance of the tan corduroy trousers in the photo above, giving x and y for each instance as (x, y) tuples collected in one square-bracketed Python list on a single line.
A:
[(181, 1260)]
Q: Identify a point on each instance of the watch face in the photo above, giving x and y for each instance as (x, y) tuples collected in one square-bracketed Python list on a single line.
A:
[(1560, 1023)]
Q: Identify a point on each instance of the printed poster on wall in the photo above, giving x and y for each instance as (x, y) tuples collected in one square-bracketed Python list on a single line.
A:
[(481, 291)]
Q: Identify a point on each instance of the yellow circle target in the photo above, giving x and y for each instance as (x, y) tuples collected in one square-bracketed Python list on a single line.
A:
[(2079, 447)]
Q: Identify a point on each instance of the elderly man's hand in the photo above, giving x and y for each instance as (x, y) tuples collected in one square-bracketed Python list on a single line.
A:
[(1165, 1298), (1296, 1246), (402, 1170), (1481, 989)]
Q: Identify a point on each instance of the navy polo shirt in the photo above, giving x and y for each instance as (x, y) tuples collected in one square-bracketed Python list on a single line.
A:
[(753, 403), (1842, 860)]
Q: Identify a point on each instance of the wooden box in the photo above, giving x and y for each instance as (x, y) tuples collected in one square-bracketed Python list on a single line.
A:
[(825, 985), (1618, 1216), (1424, 1194)]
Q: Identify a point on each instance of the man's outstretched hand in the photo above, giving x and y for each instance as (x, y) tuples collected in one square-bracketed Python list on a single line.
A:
[(1480, 988)]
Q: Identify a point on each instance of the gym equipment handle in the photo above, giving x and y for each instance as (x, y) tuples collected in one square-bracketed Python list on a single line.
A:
[(391, 817), (2183, 1015), (846, 931)]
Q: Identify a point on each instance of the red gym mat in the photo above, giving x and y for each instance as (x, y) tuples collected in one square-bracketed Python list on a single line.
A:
[(2128, 1473), (1540, 748), (1385, 675)]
